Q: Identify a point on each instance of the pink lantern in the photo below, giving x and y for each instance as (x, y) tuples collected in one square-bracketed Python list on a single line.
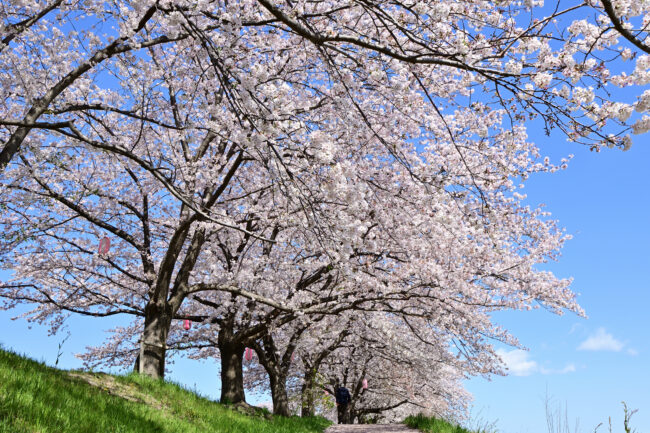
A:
[(364, 384), (187, 324), (248, 354), (104, 245)]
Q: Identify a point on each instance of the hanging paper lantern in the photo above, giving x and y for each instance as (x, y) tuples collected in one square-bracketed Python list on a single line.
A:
[(187, 325), (104, 245), (364, 384), (248, 354)]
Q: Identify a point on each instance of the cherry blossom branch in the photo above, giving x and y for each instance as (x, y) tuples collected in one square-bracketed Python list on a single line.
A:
[(16, 29), (322, 40), (39, 107), (382, 408), (81, 211), (618, 25), (49, 300), (202, 287), (118, 150)]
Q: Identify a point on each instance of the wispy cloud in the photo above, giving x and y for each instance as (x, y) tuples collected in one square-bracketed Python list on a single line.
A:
[(576, 327), (569, 368), (602, 341), (517, 362)]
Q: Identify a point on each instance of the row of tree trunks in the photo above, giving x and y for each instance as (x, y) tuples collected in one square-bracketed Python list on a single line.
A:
[(231, 344), (151, 362), (151, 359)]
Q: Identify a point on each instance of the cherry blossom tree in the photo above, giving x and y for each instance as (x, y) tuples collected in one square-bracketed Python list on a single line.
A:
[(257, 164), (396, 232), (391, 372), (87, 192), (406, 374), (277, 355)]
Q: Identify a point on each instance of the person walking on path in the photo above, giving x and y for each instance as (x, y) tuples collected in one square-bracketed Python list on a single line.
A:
[(343, 399)]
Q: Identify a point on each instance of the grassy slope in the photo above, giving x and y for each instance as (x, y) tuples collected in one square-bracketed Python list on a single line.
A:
[(434, 425), (37, 398)]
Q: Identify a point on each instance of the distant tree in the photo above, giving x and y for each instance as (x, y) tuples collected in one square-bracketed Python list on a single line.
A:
[(402, 373)]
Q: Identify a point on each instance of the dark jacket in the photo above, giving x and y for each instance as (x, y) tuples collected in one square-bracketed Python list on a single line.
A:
[(343, 395)]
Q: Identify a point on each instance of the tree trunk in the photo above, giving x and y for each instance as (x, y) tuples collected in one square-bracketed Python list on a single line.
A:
[(153, 345), (307, 395), (277, 367), (351, 413), (232, 377), (279, 395)]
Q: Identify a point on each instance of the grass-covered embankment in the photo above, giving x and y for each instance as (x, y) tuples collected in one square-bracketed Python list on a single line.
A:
[(37, 398), (434, 425)]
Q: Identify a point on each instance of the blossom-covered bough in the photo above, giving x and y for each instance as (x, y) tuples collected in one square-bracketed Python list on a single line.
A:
[(270, 169), (473, 41)]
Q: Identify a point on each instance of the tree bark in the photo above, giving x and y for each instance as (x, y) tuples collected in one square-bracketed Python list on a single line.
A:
[(277, 367), (153, 346), (232, 377), (279, 395), (307, 394), (277, 375)]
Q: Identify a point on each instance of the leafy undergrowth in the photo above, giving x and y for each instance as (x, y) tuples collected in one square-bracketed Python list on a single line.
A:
[(37, 398), (435, 425)]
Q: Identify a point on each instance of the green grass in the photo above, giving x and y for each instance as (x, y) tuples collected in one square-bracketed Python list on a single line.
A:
[(36, 398), (435, 425)]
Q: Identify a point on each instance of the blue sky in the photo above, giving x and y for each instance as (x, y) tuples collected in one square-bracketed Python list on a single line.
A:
[(587, 366)]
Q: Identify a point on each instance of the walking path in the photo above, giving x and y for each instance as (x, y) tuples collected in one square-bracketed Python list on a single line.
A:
[(369, 428)]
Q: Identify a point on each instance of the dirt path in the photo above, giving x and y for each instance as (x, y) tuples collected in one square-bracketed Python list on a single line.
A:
[(370, 428)]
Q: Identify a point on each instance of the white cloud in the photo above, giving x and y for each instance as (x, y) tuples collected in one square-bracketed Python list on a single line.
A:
[(569, 368), (602, 340), (632, 352), (517, 362), (576, 327)]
